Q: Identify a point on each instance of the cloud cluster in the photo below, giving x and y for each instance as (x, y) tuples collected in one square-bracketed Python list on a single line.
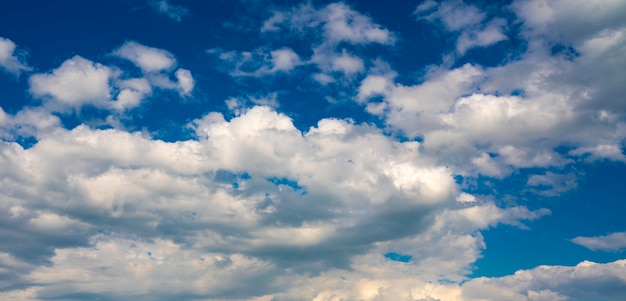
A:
[(225, 203), (253, 208), (79, 81), (515, 115)]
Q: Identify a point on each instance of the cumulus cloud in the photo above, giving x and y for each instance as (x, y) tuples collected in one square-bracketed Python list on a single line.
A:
[(525, 108), (224, 203), (164, 7), (611, 242), (76, 82), (10, 60), (585, 281), (254, 208)]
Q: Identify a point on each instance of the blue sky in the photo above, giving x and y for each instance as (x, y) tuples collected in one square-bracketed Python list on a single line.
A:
[(312, 150)]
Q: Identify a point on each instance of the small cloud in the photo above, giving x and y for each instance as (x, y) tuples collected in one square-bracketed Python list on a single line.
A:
[(186, 82), (10, 61), (148, 59), (132, 91), (613, 242), (492, 33), (174, 12), (284, 59)]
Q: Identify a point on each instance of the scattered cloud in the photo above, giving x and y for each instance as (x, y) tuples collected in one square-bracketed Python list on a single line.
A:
[(330, 28), (256, 206)]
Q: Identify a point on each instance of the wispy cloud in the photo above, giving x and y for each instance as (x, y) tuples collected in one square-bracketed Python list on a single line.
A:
[(10, 59), (164, 7), (610, 242)]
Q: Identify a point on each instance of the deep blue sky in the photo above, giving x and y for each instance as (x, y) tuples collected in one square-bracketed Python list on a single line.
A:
[(312, 150)]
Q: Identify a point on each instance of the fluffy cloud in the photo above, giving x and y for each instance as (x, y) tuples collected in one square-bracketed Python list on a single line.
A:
[(76, 82), (131, 93), (79, 81), (611, 242), (224, 204), (254, 208), (585, 281), (545, 95), (10, 61)]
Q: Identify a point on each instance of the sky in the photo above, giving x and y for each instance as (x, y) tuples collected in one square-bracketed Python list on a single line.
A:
[(313, 150)]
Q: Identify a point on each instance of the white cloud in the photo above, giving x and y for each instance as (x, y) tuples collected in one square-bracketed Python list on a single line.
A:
[(164, 7), (526, 107), (79, 81), (489, 35), (148, 59), (580, 282), (552, 184), (284, 60), (453, 14), (132, 91), (602, 151), (466, 20), (611, 242), (344, 24), (10, 61), (76, 82), (255, 209), (186, 82), (566, 22), (258, 63), (29, 122), (328, 27), (189, 219)]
